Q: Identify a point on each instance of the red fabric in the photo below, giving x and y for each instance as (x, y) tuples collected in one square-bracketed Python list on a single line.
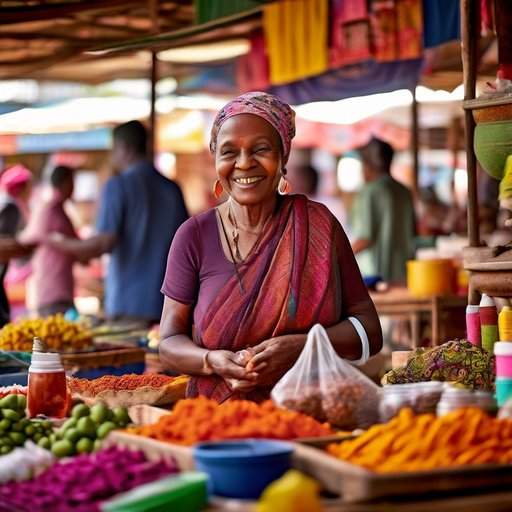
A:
[(291, 281), (350, 33)]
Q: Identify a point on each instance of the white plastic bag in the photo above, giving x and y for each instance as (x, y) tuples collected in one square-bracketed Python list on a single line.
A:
[(325, 386)]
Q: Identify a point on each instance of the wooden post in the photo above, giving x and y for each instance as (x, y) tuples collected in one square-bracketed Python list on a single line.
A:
[(415, 143), (153, 6), (470, 33), (152, 115)]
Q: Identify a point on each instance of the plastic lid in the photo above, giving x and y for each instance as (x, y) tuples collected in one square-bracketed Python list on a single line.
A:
[(487, 301), (503, 348), (45, 362), (507, 309)]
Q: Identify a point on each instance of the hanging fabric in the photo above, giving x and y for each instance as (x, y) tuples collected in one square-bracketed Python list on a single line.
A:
[(349, 33), (252, 69), (441, 22), (296, 38), (396, 29)]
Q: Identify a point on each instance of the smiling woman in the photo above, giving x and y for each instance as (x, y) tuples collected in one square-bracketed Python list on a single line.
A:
[(247, 280)]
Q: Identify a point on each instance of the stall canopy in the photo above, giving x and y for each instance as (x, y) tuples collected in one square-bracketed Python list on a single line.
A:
[(47, 39)]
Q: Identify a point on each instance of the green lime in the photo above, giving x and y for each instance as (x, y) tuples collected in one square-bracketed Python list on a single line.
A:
[(4, 450), (99, 413), (30, 430), (17, 438), (47, 424), (121, 416), (6, 441), (79, 411), (72, 434), (5, 425), (45, 443), (69, 424), (53, 438), (63, 448), (22, 402), (97, 445), (9, 402), (86, 427), (10, 414), (17, 427), (25, 422), (85, 445), (37, 437), (105, 428)]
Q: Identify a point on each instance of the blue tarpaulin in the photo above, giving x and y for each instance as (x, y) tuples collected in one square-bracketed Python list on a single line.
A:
[(350, 81)]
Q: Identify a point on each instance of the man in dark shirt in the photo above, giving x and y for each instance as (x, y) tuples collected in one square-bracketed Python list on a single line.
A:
[(140, 211)]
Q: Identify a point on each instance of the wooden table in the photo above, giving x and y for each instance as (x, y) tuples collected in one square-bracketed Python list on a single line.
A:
[(398, 301), (486, 502)]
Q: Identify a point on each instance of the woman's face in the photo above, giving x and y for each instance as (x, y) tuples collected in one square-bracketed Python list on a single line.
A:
[(248, 159)]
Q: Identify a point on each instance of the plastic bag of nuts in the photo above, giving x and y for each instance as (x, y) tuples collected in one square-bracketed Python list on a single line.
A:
[(325, 386)]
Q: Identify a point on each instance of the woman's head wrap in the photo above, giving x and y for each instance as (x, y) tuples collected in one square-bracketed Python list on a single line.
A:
[(275, 111), (14, 178)]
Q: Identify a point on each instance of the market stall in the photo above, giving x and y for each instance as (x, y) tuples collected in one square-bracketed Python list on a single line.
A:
[(89, 430)]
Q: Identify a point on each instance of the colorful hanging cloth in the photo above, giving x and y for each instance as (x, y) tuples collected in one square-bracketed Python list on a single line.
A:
[(252, 69), (296, 39), (396, 29), (441, 22), (350, 33)]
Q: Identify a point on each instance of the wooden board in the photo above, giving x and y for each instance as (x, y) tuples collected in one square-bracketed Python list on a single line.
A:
[(355, 483)]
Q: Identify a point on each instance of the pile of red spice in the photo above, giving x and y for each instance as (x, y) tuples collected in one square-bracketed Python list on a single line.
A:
[(128, 382)]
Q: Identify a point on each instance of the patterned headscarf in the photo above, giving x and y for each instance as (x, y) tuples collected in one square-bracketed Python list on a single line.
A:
[(275, 111)]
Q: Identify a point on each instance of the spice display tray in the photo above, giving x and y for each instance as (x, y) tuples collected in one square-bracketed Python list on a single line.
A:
[(357, 484), (147, 414)]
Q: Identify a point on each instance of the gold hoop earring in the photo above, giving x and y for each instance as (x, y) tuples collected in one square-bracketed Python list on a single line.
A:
[(218, 189), (284, 187)]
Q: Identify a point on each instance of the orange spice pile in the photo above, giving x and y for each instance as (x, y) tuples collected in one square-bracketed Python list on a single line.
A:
[(424, 442), (128, 382), (200, 419)]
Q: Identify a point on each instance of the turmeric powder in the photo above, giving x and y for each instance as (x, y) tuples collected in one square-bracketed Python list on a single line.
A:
[(423, 442), (201, 419)]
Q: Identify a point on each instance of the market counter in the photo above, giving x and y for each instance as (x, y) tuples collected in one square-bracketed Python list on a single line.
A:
[(398, 301)]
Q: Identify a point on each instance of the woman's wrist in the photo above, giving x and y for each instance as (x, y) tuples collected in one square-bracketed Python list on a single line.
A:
[(207, 368)]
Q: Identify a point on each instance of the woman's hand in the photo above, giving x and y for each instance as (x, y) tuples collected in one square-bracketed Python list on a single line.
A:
[(229, 366), (274, 357)]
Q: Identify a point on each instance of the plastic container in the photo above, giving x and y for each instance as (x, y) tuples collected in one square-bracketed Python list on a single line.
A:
[(243, 468), (186, 493), (47, 388), (421, 397), (427, 278), (503, 390), (505, 324), (503, 353), (454, 398)]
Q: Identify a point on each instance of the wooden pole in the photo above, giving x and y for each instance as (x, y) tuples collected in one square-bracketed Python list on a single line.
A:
[(470, 33), (152, 115), (153, 13), (415, 143)]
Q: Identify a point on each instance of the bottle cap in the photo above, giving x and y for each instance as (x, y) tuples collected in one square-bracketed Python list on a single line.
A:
[(471, 309), (43, 361), (487, 301)]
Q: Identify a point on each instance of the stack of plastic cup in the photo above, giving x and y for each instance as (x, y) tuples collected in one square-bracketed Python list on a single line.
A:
[(488, 323), (503, 353)]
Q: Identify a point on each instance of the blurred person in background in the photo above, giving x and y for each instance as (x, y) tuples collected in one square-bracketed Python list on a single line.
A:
[(305, 179), (383, 220), (139, 213), (15, 191), (52, 269)]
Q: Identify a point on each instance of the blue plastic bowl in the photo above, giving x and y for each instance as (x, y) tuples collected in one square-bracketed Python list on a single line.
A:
[(243, 468), (371, 281)]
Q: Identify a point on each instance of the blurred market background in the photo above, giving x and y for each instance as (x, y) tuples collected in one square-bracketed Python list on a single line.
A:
[(72, 70)]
